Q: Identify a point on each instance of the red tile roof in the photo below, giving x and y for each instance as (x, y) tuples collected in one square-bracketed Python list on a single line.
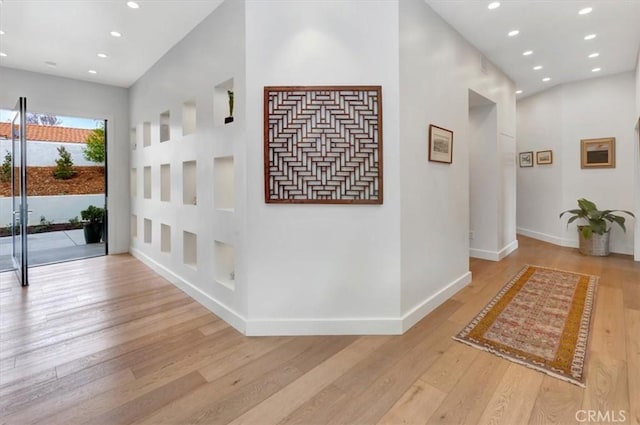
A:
[(47, 133)]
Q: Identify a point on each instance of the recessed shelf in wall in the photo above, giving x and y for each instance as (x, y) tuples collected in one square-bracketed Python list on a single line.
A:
[(147, 182), (134, 182), (223, 193), (146, 134), (134, 226), (165, 182), (189, 117), (133, 139), (165, 126), (189, 186), (221, 102), (224, 264), (147, 230), (190, 249), (165, 238)]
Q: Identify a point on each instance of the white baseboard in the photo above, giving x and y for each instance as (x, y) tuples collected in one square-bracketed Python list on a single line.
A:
[(484, 254), (547, 238), (427, 306), (216, 307), (333, 326)]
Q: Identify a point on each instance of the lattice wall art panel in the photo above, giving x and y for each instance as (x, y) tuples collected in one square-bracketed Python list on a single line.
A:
[(323, 145)]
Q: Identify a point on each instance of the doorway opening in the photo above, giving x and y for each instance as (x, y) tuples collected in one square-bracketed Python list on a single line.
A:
[(66, 190), (484, 178)]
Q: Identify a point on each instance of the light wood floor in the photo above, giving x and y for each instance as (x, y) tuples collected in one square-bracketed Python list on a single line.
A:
[(106, 341)]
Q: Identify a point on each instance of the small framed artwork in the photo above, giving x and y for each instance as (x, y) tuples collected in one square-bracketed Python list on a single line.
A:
[(544, 157), (598, 153), (526, 159), (440, 144)]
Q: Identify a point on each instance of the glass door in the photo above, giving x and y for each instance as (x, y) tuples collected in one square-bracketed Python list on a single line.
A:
[(20, 214)]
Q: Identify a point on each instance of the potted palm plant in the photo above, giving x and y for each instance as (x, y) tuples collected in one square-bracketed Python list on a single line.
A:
[(594, 235), (92, 219)]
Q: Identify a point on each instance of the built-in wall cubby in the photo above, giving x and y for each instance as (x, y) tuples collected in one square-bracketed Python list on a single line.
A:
[(146, 134), (134, 182), (147, 182), (189, 117), (165, 238), (147, 230), (133, 139), (134, 226), (223, 172), (165, 126), (221, 103), (189, 185), (165, 182), (190, 249), (224, 263)]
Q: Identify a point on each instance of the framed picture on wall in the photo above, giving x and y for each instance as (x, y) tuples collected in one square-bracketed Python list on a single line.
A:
[(440, 144), (598, 153), (526, 159), (544, 157)]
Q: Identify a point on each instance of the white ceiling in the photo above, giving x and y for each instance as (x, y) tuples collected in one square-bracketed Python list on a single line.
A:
[(72, 32), (555, 33)]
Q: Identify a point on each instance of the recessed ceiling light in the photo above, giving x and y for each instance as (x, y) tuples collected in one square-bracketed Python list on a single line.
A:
[(1, 32), (3, 54), (102, 55), (513, 33), (537, 67), (594, 55), (115, 33), (585, 11), (51, 64), (545, 79), (589, 37), (596, 70), (493, 5), (518, 91), (93, 71), (133, 5), (527, 53)]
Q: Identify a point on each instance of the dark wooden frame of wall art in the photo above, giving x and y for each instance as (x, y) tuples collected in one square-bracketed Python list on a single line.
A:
[(524, 154), (433, 128), (267, 194)]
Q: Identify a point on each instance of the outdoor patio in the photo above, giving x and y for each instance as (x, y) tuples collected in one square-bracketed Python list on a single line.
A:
[(52, 247)]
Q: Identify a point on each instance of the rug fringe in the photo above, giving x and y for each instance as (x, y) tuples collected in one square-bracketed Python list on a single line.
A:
[(520, 362)]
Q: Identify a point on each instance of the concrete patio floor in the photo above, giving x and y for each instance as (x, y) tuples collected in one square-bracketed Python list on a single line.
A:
[(51, 247)]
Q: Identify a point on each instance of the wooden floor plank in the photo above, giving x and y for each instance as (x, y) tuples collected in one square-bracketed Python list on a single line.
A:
[(107, 341)]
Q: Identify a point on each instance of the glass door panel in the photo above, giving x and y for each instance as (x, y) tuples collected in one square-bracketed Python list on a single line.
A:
[(19, 191)]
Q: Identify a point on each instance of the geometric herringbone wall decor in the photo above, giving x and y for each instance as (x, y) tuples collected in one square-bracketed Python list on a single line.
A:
[(323, 144)]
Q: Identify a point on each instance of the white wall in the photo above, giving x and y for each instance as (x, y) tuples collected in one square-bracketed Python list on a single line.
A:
[(437, 70), (63, 96), (637, 160), (209, 55), (323, 268), (43, 154), (558, 119), (483, 180)]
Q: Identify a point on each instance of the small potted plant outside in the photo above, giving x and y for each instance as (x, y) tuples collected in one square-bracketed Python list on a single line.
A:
[(594, 236), (229, 119), (92, 219)]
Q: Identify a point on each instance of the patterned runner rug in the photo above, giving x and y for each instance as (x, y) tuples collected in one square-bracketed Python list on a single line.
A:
[(540, 319)]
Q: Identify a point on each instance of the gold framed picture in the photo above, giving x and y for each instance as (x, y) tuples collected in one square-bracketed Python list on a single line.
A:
[(544, 157), (598, 153)]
